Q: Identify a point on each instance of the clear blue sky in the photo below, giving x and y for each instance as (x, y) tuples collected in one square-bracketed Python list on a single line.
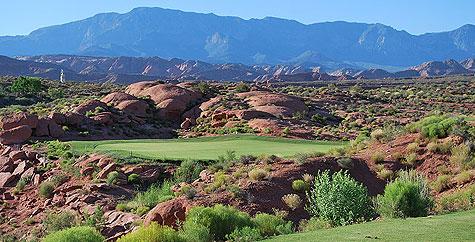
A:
[(414, 16)]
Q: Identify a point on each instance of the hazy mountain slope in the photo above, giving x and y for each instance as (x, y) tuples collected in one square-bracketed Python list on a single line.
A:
[(172, 33)]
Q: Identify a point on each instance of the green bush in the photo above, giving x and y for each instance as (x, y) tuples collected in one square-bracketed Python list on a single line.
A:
[(441, 183), (219, 220), (459, 200), (410, 159), (122, 207), (313, 224), (412, 147), (300, 186), (134, 179), (401, 199), (154, 195), (112, 177), (246, 234), (257, 174), (75, 234), (270, 225), (46, 189), (377, 158), (153, 233), (339, 199), (464, 176), (460, 156), (188, 171), (56, 222)]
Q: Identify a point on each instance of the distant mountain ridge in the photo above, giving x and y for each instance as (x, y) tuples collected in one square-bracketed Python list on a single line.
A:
[(147, 32), (128, 70)]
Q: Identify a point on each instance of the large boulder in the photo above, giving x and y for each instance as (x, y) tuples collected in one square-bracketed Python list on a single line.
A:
[(118, 223), (136, 88), (59, 118), (18, 119), (248, 114), (166, 213), (171, 109), (6, 164), (48, 127), (262, 124), (74, 119), (6, 178), (106, 170), (117, 97), (276, 111), (135, 107), (89, 106), (102, 118), (16, 135), (162, 92), (261, 98)]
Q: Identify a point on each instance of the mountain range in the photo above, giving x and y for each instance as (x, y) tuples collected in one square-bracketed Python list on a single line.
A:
[(149, 32), (128, 70)]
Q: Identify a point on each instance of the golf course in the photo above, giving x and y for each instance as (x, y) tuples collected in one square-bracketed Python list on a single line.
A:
[(206, 148)]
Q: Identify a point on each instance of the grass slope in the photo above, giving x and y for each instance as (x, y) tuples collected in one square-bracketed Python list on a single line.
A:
[(207, 148), (458, 226)]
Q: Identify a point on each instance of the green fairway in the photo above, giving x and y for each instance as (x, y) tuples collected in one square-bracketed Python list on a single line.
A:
[(207, 148), (458, 226)]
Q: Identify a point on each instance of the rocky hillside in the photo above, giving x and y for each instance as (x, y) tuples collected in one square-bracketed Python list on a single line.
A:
[(171, 33)]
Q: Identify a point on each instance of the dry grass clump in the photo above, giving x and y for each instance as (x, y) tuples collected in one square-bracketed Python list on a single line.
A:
[(258, 174), (293, 201)]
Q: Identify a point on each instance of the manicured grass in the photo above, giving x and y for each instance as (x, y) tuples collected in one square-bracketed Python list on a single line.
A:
[(207, 148), (458, 226)]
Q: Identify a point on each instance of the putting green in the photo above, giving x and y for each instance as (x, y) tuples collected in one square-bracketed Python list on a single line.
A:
[(207, 148)]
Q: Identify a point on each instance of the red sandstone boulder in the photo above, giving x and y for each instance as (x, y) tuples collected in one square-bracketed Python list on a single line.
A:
[(22, 166), (166, 213), (186, 124), (108, 169), (6, 164), (136, 88), (276, 111), (89, 106), (218, 124), (171, 109), (218, 116), (5, 178), (55, 130), (59, 118), (117, 97), (118, 223), (102, 118), (135, 107), (104, 161), (74, 119), (18, 119), (193, 113), (163, 92), (16, 135), (262, 124), (17, 155), (48, 127), (260, 98), (248, 114), (211, 103)]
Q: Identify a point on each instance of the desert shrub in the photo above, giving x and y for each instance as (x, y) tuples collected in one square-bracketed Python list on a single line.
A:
[(154, 195), (281, 213), (433, 147), (123, 207), (112, 177), (410, 159), (377, 134), (257, 174), (56, 222), (96, 220), (300, 186), (441, 183), (153, 233), (21, 184), (242, 87), (240, 173), (293, 201), (445, 148), (346, 163), (141, 210), (385, 174), (219, 220), (460, 155), (246, 159), (189, 192), (464, 176), (301, 158), (308, 178), (270, 225), (433, 127), (401, 199), (419, 179), (46, 189), (377, 158), (188, 171), (412, 147), (313, 224), (134, 179), (76, 234), (443, 169), (339, 199), (246, 234), (397, 155), (60, 179), (459, 200)]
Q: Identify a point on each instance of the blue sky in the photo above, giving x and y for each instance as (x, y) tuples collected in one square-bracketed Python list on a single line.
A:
[(414, 16)]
